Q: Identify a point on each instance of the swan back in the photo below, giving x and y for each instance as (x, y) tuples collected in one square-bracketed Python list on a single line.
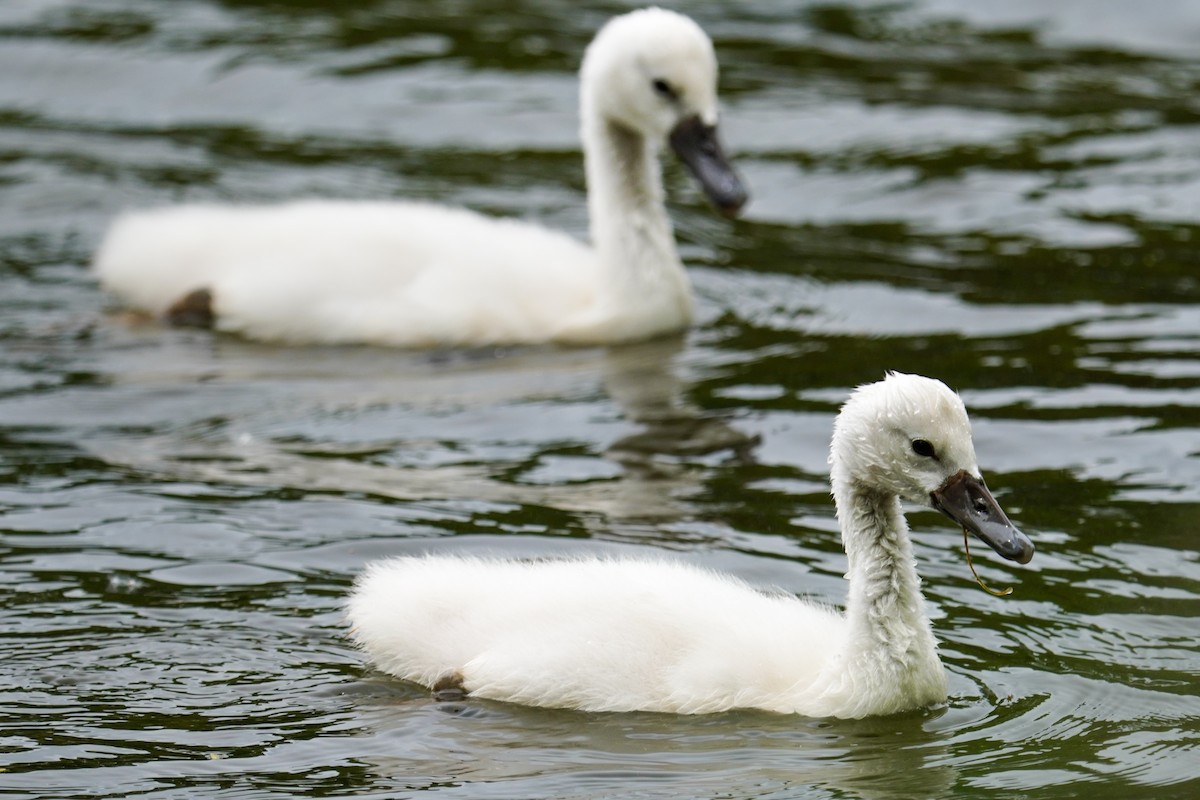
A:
[(591, 633)]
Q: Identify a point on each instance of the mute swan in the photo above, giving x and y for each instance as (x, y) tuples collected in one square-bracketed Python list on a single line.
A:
[(413, 274), (625, 635)]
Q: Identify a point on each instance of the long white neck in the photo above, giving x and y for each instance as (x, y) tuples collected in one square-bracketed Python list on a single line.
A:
[(630, 229), (885, 608), (889, 656)]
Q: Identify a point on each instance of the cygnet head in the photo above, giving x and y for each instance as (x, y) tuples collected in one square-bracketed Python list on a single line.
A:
[(650, 68), (654, 73), (909, 436)]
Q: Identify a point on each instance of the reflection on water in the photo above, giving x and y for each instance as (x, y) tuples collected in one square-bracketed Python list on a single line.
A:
[(659, 756), (518, 457), (1001, 195)]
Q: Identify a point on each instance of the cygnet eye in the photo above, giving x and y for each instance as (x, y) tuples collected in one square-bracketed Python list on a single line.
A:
[(922, 447), (664, 89)]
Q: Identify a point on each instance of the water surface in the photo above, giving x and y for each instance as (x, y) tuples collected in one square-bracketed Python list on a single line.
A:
[(1002, 195)]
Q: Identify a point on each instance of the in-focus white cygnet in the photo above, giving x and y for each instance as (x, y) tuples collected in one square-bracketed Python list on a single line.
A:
[(602, 634)]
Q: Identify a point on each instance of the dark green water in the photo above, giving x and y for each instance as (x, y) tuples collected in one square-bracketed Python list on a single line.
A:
[(1002, 195)]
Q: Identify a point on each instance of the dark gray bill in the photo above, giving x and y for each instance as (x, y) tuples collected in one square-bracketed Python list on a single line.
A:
[(697, 145), (964, 499)]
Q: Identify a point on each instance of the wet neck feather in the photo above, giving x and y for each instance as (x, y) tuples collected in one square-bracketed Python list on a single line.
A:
[(885, 609)]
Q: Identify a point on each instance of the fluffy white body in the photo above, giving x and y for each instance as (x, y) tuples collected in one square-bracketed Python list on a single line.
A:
[(601, 635), (414, 274), (625, 635)]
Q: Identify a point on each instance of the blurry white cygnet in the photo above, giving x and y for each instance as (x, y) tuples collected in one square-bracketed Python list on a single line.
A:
[(414, 274)]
